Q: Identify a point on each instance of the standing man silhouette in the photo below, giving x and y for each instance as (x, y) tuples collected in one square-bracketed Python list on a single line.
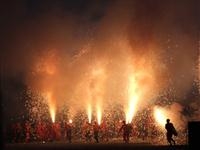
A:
[(126, 131), (170, 132), (96, 131)]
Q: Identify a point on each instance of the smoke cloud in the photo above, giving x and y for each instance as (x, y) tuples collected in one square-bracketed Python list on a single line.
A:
[(90, 52)]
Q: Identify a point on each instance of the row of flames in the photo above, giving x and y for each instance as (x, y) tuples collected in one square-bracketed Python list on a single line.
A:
[(134, 95), (160, 114), (98, 114)]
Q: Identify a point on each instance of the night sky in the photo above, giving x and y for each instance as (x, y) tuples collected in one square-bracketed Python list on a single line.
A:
[(29, 28)]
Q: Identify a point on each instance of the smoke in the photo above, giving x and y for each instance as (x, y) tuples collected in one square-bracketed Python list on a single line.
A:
[(87, 52)]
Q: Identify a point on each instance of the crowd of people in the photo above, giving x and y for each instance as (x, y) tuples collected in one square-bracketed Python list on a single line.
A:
[(42, 131)]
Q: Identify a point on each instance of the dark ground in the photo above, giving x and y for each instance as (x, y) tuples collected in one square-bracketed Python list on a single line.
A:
[(76, 146)]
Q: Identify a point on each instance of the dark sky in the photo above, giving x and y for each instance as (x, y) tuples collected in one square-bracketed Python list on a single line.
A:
[(28, 27)]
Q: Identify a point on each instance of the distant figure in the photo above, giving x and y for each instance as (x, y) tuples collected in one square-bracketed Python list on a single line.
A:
[(27, 132), (170, 132), (126, 131), (104, 131), (68, 129), (96, 131), (87, 132)]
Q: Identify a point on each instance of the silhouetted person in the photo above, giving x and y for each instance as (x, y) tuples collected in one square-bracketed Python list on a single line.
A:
[(170, 132), (27, 131), (68, 128), (87, 132), (96, 131), (126, 131)]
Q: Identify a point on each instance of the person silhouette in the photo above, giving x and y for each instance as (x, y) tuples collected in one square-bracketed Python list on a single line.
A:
[(96, 131), (68, 128), (126, 131), (170, 132)]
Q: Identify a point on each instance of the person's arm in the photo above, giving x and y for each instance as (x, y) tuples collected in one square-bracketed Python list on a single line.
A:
[(166, 126)]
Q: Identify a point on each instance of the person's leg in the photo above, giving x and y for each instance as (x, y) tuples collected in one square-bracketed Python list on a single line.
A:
[(169, 140), (128, 138), (124, 137), (173, 141)]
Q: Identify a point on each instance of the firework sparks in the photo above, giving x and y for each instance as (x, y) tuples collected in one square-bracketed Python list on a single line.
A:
[(53, 114), (99, 114), (133, 99), (52, 108), (160, 116), (89, 113)]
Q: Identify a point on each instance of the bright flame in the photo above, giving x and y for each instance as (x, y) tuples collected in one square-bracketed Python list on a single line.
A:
[(53, 114), (133, 100), (89, 112), (99, 115), (160, 116), (52, 108), (70, 120)]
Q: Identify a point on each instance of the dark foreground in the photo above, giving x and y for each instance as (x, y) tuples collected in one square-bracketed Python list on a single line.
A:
[(109, 146)]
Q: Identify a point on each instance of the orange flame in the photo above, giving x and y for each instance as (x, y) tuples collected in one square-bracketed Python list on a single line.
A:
[(89, 113), (52, 108), (133, 100), (160, 116), (53, 114), (70, 120), (99, 115)]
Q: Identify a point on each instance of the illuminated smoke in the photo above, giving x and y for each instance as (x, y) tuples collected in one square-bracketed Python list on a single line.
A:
[(127, 60), (172, 112)]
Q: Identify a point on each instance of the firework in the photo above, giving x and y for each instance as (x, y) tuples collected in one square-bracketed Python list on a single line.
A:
[(70, 120), (52, 108), (99, 114), (160, 116), (133, 99), (89, 113)]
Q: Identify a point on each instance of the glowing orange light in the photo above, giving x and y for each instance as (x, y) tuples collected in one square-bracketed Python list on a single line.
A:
[(53, 114), (70, 120), (52, 108), (133, 100), (160, 116), (99, 115), (89, 113)]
